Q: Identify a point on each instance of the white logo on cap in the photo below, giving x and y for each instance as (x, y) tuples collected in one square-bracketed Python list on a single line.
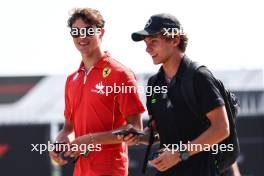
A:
[(148, 23)]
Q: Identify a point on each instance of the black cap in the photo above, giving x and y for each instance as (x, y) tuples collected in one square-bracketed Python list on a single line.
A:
[(155, 24)]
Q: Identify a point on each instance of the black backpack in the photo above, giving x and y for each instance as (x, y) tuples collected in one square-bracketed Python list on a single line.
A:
[(222, 160)]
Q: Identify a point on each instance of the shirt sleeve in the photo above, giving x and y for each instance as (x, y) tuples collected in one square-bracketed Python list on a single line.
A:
[(67, 108), (208, 95), (129, 100)]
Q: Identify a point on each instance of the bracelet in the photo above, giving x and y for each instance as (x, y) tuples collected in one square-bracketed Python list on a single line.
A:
[(91, 141)]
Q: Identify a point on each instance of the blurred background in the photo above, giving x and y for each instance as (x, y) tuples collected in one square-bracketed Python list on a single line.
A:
[(37, 54)]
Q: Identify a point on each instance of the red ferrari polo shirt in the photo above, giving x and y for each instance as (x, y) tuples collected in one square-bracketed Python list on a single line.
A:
[(99, 100)]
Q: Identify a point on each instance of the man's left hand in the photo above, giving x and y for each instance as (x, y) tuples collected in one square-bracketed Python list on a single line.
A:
[(76, 148), (166, 160)]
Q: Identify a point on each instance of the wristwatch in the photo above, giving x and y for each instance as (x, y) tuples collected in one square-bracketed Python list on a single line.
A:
[(184, 155)]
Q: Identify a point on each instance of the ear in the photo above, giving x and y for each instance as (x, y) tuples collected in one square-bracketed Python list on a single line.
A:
[(176, 41), (102, 31)]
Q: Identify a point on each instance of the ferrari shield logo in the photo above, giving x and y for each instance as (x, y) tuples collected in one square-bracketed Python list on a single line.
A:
[(106, 72)]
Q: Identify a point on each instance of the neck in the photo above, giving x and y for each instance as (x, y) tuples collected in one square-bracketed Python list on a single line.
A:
[(89, 59), (171, 66)]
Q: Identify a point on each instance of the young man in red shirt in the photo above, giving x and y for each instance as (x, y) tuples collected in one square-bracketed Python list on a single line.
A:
[(92, 108)]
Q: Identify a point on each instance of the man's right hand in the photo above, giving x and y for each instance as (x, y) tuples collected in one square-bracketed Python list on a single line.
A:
[(55, 156), (130, 139)]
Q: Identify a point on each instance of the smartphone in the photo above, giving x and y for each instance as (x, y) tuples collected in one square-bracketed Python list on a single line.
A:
[(70, 160), (58, 147), (126, 132)]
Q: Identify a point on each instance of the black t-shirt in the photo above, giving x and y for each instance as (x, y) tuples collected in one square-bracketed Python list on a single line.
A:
[(175, 121)]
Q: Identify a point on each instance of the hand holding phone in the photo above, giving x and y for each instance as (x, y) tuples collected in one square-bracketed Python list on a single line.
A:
[(70, 160), (60, 148), (126, 132)]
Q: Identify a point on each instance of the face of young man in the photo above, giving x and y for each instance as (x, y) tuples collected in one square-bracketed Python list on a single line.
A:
[(86, 43), (160, 50)]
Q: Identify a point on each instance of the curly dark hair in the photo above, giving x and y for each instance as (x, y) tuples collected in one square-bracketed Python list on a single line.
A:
[(183, 40), (88, 15)]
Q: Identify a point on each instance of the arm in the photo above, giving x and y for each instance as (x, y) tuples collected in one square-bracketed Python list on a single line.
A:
[(218, 130), (62, 137), (108, 138), (105, 137), (212, 105), (66, 130)]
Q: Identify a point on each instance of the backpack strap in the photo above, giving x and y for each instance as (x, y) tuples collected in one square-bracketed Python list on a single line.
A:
[(151, 140), (150, 143), (187, 87)]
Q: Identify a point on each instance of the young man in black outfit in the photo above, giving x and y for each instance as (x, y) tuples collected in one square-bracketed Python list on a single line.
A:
[(174, 121)]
